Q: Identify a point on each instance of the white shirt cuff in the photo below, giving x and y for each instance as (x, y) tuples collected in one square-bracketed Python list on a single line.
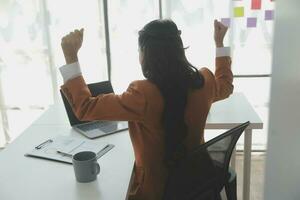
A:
[(223, 51), (70, 71)]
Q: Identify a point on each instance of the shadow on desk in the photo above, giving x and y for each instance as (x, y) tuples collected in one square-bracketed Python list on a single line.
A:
[(89, 190)]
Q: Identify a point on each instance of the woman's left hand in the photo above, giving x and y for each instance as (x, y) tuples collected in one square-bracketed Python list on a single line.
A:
[(220, 32)]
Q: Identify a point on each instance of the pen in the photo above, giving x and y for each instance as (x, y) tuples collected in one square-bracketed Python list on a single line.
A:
[(42, 144), (104, 150), (98, 155), (65, 154)]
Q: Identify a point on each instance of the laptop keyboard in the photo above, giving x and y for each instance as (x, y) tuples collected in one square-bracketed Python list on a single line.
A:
[(106, 127)]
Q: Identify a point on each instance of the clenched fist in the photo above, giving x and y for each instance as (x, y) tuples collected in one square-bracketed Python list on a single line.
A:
[(220, 31), (71, 44)]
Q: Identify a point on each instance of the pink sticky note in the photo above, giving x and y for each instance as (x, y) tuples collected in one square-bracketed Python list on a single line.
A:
[(251, 22), (269, 14), (256, 4), (226, 21)]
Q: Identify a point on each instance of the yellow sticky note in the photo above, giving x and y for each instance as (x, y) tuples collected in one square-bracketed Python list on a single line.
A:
[(238, 12)]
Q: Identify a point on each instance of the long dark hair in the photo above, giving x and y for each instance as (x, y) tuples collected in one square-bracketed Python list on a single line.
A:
[(164, 63)]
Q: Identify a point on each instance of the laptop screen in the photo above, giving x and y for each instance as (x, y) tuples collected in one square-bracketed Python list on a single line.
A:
[(96, 89)]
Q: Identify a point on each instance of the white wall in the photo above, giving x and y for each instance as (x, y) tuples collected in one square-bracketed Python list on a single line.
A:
[(282, 181)]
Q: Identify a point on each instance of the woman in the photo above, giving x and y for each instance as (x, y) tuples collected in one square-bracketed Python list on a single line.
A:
[(166, 112)]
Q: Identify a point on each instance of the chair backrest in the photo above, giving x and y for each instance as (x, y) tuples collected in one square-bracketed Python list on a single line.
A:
[(220, 150), (203, 170)]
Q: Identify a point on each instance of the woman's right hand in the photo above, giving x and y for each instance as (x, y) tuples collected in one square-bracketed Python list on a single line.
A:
[(220, 32), (71, 44)]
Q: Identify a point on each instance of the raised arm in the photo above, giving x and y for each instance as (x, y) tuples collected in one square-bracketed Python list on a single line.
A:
[(220, 83), (129, 106), (223, 73), (223, 78)]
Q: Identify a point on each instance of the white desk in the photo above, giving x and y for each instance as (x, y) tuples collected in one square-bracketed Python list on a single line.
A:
[(230, 113), (30, 178), (26, 178)]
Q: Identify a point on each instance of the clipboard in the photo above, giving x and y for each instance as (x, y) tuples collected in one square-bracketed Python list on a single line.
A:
[(50, 148)]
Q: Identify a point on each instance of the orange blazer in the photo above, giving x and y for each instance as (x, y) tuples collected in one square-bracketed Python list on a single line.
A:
[(142, 106)]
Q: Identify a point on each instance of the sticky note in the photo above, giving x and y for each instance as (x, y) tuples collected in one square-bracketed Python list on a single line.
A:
[(256, 4), (238, 12), (269, 14), (251, 22), (226, 21)]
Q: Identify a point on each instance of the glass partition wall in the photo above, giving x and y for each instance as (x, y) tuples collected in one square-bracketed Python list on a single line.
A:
[(30, 53)]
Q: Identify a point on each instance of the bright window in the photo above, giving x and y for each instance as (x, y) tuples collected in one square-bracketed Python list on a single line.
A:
[(126, 18), (250, 42), (30, 53)]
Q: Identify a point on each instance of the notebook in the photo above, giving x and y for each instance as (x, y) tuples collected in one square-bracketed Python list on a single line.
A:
[(67, 146)]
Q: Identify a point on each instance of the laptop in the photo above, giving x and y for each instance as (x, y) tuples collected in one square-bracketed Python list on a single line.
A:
[(94, 129)]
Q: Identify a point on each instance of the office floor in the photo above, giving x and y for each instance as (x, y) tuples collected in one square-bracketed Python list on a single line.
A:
[(257, 175)]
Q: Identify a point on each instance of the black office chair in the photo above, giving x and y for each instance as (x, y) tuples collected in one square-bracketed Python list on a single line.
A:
[(203, 173)]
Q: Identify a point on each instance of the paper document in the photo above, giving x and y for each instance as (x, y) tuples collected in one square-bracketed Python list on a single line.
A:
[(49, 148)]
